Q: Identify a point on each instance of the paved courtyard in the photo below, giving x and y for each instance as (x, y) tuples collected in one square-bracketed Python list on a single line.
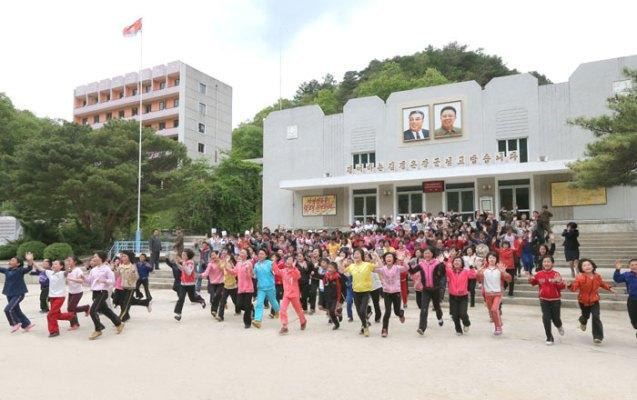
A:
[(158, 358)]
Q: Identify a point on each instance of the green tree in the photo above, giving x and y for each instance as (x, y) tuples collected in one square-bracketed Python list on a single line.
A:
[(71, 172), (611, 160), (247, 141), (390, 78), (328, 101), (227, 196)]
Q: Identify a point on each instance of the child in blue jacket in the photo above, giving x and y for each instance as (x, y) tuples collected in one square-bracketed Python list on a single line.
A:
[(630, 279), (15, 289)]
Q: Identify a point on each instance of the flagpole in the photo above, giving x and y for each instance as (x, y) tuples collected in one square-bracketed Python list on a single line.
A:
[(138, 232)]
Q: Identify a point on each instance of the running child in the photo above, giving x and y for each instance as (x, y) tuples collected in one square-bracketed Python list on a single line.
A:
[(587, 283), (551, 285), (493, 275), (14, 289), (290, 276), (630, 279)]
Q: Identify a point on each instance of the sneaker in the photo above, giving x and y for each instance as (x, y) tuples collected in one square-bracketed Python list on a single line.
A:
[(15, 328), (28, 328), (335, 327), (54, 334), (377, 321), (458, 333), (465, 329), (213, 313), (276, 315), (561, 330), (283, 331), (311, 312), (73, 328), (366, 332), (402, 319), (441, 322), (303, 325), (246, 327), (256, 324), (498, 332), (87, 313), (149, 307), (119, 328), (178, 317), (550, 343), (95, 335), (203, 304), (383, 333), (582, 327), (218, 318), (350, 319), (43, 311), (361, 331), (420, 332), (271, 316), (597, 341)]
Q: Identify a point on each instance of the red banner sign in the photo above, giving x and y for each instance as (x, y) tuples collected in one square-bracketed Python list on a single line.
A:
[(433, 187)]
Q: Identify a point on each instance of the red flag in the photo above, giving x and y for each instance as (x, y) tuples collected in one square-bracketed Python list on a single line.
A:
[(132, 30)]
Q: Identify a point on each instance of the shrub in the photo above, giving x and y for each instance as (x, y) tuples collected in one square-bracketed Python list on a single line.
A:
[(58, 251), (35, 247), (7, 251)]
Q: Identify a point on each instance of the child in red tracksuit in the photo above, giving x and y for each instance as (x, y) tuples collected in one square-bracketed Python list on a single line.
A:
[(290, 276), (506, 254), (551, 285), (332, 293), (588, 283)]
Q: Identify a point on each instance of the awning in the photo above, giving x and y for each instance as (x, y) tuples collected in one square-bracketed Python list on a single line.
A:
[(476, 171)]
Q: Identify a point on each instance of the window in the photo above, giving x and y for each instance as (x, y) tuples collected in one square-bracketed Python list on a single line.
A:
[(147, 108), (515, 193), (162, 126), (202, 109), (201, 148), (121, 114), (108, 97), (162, 105), (121, 95), (175, 123), (363, 158), (134, 92), (364, 204), (146, 88), (176, 103), (162, 85), (460, 198), (83, 103), (96, 119), (134, 111), (202, 128), (409, 200), (202, 88), (84, 121), (519, 145), (109, 116), (176, 82)]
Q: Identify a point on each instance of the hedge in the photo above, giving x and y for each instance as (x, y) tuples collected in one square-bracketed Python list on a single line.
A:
[(58, 251), (8, 251), (35, 247)]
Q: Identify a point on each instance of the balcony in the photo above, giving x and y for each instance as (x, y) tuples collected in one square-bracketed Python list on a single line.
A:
[(125, 101), (168, 132)]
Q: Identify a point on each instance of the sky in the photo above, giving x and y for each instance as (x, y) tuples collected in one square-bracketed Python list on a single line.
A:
[(49, 48)]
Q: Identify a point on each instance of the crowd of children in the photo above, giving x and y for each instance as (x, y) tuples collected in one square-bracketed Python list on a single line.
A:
[(330, 272)]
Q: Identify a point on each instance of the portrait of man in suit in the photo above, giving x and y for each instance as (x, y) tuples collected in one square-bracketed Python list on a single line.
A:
[(448, 120), (416, 123)]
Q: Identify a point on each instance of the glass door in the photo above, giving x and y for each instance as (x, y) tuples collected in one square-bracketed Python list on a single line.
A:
[(364, 204), (460, 198), (516, 193)]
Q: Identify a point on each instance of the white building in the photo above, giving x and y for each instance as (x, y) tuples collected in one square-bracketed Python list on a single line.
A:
[(507, 144)]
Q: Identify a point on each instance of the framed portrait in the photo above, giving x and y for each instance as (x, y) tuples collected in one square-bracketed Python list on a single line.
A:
[(416, 124), (448, 120)]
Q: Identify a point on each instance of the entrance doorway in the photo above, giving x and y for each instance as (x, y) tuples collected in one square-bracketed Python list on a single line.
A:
[(461, 198), (516, 192)]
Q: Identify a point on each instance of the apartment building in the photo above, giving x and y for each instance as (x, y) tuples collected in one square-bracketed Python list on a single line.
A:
[(178, 102)]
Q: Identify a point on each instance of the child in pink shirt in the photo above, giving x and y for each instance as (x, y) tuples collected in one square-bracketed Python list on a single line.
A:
[(290, 277), (243, 272), (458, 280)]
